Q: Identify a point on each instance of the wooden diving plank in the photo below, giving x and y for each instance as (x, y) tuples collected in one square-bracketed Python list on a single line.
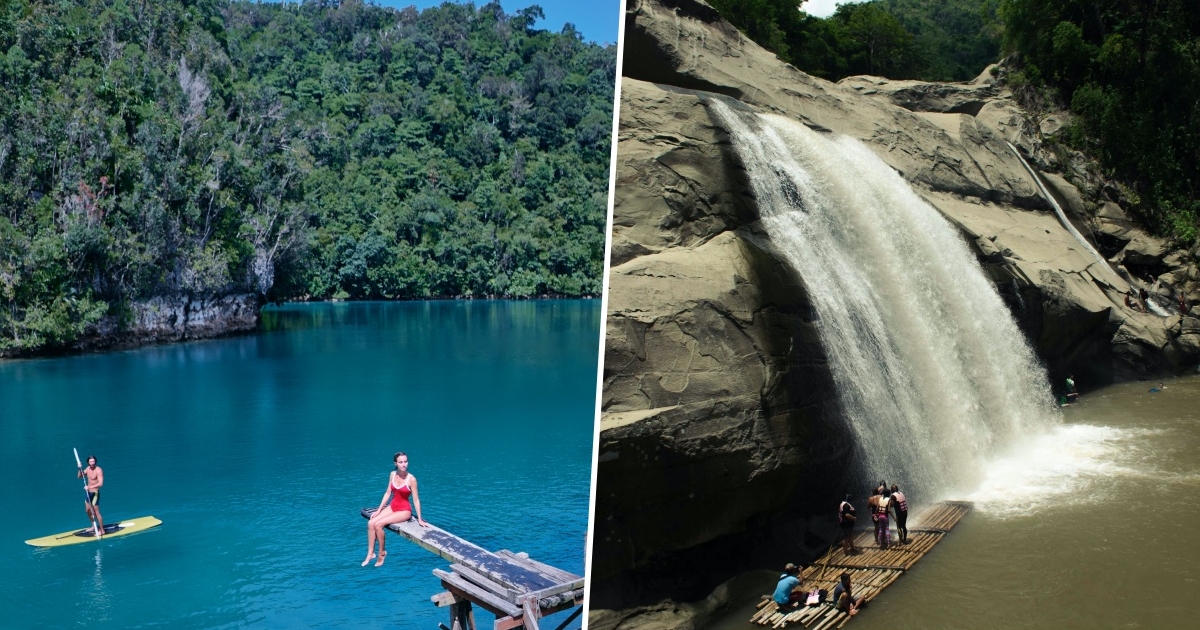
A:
[(455, 549)]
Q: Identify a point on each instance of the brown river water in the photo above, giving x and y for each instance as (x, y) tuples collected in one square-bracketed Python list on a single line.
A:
[(1095, 524)]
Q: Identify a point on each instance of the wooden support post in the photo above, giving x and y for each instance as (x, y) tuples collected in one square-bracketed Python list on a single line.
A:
[(462, 616), (508, 623), (532, 611)]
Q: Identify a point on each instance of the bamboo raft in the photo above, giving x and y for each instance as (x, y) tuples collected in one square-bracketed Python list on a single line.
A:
[(871, 570), (516, 588)]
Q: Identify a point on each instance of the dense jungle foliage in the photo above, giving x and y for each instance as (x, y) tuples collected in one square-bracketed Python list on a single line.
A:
[(1131, 73), (320, 149), (932, 40)]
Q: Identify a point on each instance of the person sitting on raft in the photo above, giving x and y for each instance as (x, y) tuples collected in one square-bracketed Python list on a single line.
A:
[(843, 597), (788, 591)]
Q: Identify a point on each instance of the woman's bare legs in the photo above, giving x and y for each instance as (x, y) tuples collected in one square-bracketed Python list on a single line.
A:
[(373, 533), (380, 524)]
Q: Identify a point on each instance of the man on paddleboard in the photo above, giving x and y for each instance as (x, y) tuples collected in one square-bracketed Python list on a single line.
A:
[(95, 478)]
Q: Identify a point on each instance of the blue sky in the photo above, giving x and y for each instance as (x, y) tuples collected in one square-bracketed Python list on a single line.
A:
[(597, 20), (824, 8)]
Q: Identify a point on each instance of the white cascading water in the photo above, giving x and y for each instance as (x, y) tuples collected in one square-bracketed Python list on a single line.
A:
[(932, 373)]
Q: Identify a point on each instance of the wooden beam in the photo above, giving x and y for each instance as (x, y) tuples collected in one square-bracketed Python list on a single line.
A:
[(565, 604), (508, 623), (532, 610), (499, 589), (573, 598), (443, 599), (523, 559), (469, 591), (558, 588)]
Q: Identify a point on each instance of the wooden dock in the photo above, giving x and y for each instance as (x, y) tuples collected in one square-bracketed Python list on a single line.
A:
[(871, 570), (512, 586)]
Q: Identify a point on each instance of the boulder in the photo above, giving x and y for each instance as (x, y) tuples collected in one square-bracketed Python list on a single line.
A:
[(920, 96)]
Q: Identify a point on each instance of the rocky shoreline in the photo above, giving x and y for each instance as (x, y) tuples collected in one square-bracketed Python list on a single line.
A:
[(162, 320)]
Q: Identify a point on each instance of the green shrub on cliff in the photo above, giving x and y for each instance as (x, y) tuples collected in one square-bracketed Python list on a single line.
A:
[(312, 149)]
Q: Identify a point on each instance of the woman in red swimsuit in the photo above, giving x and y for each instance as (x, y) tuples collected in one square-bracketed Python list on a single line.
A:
[(401, 485)]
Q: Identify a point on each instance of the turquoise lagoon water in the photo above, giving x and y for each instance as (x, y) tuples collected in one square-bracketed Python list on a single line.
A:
[(257, 453)]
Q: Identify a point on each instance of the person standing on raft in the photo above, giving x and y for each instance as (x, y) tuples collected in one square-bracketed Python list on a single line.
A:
[(883, 532), (873, 510), (401, 485), (846, 518), (900, 508), (94, 476)]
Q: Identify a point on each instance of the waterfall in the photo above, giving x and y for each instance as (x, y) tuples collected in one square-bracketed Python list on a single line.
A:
[(933, 375)]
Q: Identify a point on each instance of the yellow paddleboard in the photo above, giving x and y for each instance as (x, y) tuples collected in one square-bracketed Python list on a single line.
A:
[(77, 536)]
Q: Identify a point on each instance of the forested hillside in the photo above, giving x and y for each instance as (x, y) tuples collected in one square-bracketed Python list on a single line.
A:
[(303, 150), (933, 40)]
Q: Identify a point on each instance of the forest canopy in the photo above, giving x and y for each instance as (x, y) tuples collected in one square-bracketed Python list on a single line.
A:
[(932, 40), (308, 150)]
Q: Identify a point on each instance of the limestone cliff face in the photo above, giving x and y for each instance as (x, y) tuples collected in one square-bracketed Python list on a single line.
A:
[(718, 410), (176, 318)]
